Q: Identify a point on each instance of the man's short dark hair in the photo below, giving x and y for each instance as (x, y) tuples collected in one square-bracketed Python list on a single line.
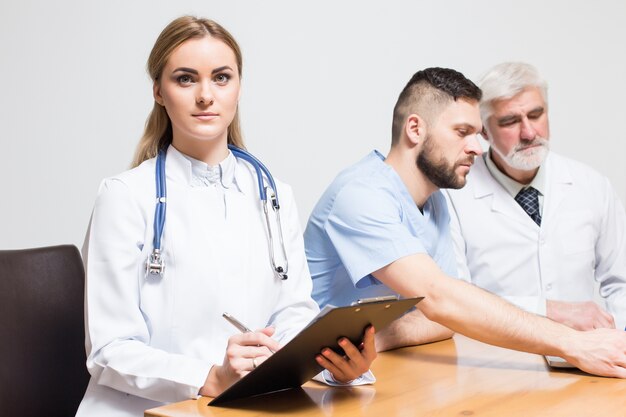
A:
[(425, 93)]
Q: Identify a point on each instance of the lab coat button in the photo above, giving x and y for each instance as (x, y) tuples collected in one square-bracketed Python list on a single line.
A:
[(548, 287)]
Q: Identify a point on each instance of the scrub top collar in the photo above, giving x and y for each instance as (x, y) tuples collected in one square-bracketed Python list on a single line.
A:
[(391, 173)]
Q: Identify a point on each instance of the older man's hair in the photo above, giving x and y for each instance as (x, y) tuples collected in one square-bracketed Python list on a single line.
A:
[(507, 80), (427, 93)]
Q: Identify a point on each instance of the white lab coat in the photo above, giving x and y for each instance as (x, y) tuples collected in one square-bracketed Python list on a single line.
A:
[(154, 340), (581, 239)]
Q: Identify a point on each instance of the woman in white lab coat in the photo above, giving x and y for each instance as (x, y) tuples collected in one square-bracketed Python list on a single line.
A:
[(153, 339)]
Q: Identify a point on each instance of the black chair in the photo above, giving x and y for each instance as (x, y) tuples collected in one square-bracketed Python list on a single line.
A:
[(42, 335)]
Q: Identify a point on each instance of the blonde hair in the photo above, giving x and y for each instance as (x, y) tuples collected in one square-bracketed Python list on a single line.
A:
[(158, 131)]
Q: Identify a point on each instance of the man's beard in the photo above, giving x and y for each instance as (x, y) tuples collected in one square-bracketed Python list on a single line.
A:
[(439, 171), (526, 160)]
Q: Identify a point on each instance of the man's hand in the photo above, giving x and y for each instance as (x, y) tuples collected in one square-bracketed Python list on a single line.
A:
[(580, 316), (600, 352)]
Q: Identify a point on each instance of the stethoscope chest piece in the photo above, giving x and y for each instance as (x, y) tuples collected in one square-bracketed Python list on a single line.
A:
[(155, 266)]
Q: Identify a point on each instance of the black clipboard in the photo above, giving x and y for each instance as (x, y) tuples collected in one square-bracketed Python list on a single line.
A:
[(294, 363)]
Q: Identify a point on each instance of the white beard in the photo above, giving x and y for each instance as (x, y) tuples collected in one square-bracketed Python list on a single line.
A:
[(526, 159)]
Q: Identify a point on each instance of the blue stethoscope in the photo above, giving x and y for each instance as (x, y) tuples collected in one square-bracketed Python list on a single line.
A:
[(155, 265)]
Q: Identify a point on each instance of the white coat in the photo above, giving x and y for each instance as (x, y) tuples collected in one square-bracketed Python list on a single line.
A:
[(581, 239), (152, 341)]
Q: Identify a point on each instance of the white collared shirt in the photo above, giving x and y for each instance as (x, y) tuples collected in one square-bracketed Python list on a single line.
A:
[(220, 175), (513, 187)]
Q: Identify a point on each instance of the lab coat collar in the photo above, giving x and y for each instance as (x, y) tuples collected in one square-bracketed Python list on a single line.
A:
[(562, 175), (489, 186), (483, 188), (177, 167), (555, 179), (552, 175), (558, 179), (510, 185), (245, 177)]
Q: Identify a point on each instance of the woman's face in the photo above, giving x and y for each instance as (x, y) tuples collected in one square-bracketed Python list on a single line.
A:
[(199, 88)]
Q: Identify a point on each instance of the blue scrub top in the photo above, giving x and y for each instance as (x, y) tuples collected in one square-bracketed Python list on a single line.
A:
[(365, 220)]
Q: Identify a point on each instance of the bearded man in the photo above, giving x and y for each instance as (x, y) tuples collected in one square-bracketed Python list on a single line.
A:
[(534, 227), (382, 227)]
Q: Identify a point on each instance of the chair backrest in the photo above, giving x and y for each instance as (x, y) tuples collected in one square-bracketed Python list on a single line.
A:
[(42, 335)]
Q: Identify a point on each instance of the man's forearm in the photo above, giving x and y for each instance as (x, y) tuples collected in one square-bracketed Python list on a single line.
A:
[(409, 330), (472, 311)]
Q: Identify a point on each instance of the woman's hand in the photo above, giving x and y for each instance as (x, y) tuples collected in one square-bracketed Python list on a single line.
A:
[(244, 352), (354, 363)]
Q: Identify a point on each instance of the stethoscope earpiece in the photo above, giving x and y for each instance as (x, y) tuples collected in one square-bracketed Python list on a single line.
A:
[(279, 270)]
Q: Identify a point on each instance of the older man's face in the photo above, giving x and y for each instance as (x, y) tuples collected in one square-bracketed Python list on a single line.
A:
[(518, 130)]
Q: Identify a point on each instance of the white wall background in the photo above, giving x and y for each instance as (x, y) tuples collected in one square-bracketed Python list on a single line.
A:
[(320, 82)]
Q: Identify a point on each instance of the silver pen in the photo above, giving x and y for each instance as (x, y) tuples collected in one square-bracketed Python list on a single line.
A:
[(239, 325)]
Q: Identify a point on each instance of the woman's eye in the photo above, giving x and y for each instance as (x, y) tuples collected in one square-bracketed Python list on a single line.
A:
[(222, 78), (185, 79)]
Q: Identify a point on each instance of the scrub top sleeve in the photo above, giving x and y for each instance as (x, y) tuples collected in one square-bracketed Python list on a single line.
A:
[(295, 307), (366, 229), (118, 337)]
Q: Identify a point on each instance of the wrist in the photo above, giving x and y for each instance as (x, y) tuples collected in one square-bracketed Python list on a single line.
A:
[(331, 378), (212, 386), (562, 343)]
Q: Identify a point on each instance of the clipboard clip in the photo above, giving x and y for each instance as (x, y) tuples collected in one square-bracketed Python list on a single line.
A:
[(380, 299)]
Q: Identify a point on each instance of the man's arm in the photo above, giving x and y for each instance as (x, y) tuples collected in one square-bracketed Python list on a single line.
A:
[(480, 315), (410, 330)]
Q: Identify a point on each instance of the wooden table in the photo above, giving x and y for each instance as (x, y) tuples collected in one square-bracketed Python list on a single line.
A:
[(457, 377)]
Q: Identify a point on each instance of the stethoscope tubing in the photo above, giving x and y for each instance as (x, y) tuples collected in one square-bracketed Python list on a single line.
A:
[(161, 192), (260, 170), (155, 264)]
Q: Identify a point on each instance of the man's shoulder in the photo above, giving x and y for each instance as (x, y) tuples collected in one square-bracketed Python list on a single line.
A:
[(561, 165), (367, 175), (353, 189)]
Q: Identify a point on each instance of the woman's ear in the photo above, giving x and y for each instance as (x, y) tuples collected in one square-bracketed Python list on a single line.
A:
[(156, 92)]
